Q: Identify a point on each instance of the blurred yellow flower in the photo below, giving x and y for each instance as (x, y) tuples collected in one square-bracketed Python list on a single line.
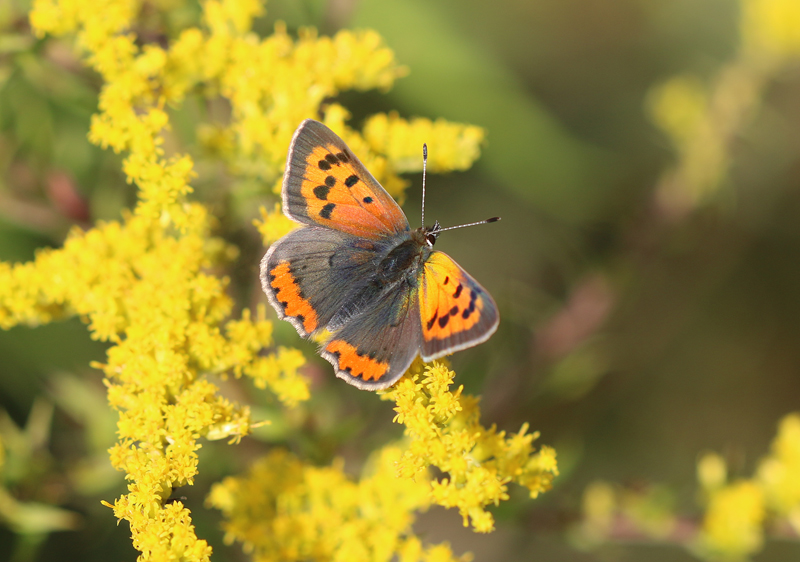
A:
[(779, 473), (712, 471), (771, 27), (611, 512), (702, 119), (732, 527), (678, 107)]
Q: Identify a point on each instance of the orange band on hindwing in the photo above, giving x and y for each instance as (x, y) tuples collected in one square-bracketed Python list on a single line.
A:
[(355, 364), (288, 294)]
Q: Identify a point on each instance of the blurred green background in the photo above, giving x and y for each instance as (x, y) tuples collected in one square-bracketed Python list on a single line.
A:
[(637, 333)]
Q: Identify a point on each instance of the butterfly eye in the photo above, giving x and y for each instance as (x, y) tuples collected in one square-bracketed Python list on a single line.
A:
[(432, 233)]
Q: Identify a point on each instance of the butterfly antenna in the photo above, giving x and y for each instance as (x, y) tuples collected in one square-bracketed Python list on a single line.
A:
[(424, 167), (485, 221), (436, 228)]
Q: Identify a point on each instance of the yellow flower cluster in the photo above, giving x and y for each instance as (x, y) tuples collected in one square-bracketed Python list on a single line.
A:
[(147, 284), (283, 510), (444, 431), (274, 83), (451, 146), (273, 225), (142, 286)]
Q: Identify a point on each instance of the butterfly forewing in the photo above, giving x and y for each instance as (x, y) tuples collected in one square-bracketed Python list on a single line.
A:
[(455, 311), (326, 184)]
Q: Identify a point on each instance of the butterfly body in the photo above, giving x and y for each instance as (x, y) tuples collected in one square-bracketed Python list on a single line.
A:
[(357, 270)]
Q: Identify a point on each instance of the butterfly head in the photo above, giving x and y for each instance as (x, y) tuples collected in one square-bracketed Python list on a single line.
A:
[(431, 233), (426, 236)]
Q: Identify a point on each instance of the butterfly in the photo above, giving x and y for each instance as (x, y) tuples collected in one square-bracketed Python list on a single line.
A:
[(356, 271)]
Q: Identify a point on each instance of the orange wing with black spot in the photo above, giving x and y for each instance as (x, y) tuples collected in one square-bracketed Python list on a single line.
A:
[(325, 184), (455, 311)]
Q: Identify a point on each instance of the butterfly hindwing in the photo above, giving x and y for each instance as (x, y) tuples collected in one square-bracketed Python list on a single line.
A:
[(326, 184), (312, 274), (375, 349), (455, 311)]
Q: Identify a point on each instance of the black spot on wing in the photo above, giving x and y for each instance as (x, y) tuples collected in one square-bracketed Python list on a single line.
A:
[(433, 320), (468, 311), (330, 181), (351, 180), (326, 211), (321, 192), (324, 165)]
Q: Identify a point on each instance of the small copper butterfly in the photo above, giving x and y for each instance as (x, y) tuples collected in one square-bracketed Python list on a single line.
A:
[(357, 270)]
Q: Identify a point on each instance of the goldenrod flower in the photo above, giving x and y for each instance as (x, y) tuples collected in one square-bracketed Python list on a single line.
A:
[(444, 431), (283, 510), (149, 284), (274, 225)]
